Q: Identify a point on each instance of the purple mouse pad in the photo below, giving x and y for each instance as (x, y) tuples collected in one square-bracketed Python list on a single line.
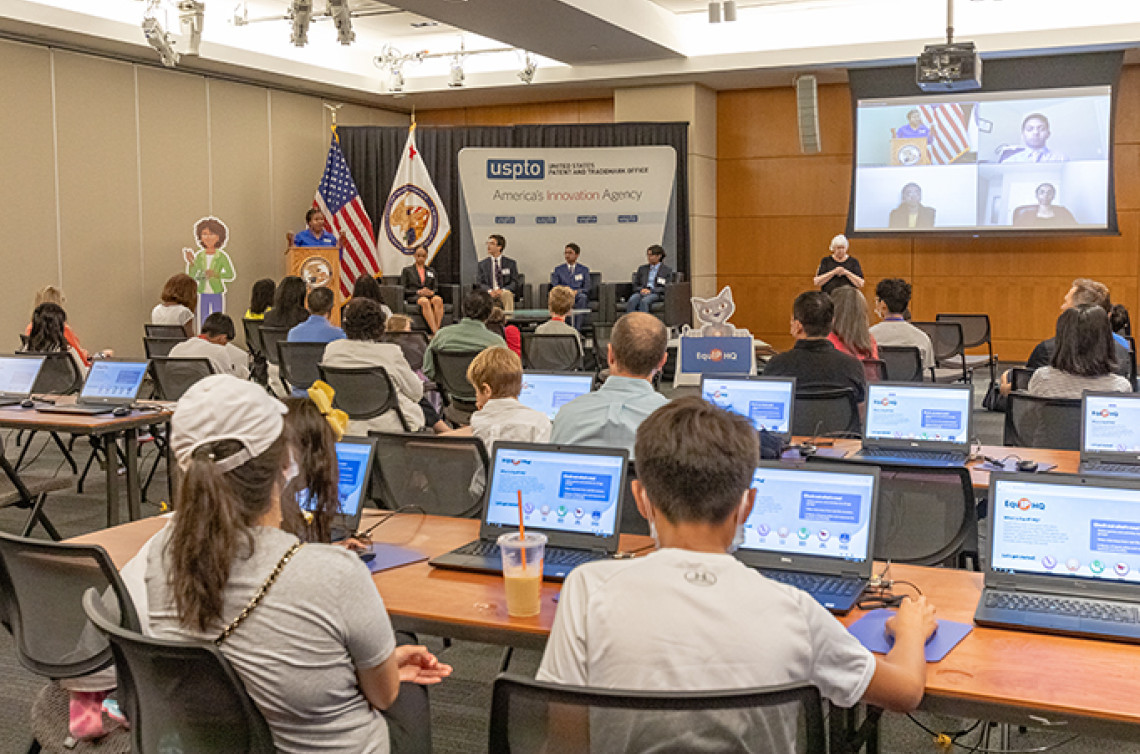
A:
[(871, 633)]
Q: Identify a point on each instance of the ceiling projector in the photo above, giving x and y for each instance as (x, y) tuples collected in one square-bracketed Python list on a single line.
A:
[(953, 67)]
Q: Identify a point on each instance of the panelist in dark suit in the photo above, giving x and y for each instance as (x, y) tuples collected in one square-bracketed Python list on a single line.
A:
[(911, 212), (420, 286), (649, 281), (574, 276), (498, 275)]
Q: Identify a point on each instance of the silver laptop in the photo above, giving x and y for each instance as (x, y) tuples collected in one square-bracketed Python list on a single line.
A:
[(766, 401), (1063, 555), (354, 466), (573, 495), (1110, 434), (17, 377), (549, 391), (913, 423), (109, 385), (814, 528)]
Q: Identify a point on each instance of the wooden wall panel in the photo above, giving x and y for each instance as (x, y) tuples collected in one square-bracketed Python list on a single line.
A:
[(783, 186), (566, 111)]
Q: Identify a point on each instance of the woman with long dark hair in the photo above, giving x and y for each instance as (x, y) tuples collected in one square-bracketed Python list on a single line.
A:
[(261, 298), (288, 304), (1083, 359), (48, 333)]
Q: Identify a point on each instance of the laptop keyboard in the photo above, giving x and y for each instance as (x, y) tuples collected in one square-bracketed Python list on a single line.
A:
[(1038, 603), (552, 555), (915, 454), (1121, 468), (814, 584)]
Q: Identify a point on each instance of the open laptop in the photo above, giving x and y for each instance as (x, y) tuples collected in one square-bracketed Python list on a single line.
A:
[(17, 376), (1063, 555), (766, 401), (1110, 434), (813, 528), (549, 391), (572, 495), (109, 385), (354, 463), (913, 423)]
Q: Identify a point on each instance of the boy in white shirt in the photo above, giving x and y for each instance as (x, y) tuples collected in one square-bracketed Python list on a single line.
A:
[(690, 616), (497, 375), (215, 344)]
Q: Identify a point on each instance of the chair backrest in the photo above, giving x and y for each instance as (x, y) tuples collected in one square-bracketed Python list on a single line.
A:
[(945, 337), (160, 346), (874, 370), (363, 392), (180, 696), (975, 327), (164, 331), (252, 329), (451, 374), (632, 522), (901, 363), (59, 375), (41, 585), (533, 716), (413, 344), (298, 362), (1019, 378), (1132, 376), (826, 412), (445, 476), (557, 352), (270, 337), (601, 336), (1034, 422), (173, 375)]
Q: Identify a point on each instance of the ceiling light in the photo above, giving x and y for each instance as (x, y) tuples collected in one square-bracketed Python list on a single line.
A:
[(158, 37), (456, 77), (526, 75), (241, 14), (395, 79), (714, 11), (342, 17), (190, 18), (301, 12)]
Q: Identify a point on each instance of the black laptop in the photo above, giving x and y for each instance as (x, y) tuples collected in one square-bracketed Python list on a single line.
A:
[(354, 465), (17, 376), (1063, 555), (917, 424), (572, 495), (766, 401), (549, 391), (109, 385), (813, 527), (1110, 434)]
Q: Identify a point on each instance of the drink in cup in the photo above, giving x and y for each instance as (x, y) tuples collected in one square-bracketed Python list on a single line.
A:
[(522, 572)]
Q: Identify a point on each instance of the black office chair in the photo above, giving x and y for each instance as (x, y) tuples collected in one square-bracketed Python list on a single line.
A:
[(560, 352), (451, 376), (632, 522), (1019, 378), (299, 362), (600, 351), (270, 337), (180, 696), (975, 334), (363, 392), (174, 375), (164, 331), (445, 476), (533, 716), (29, 492), (1035, 422), (874, 370), (413, 344), (832, 413), (901, 363), (155, 346), (949, 351), (59, 375), (252, 328)]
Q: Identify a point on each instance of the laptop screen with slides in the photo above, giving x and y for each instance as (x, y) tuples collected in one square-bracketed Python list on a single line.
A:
[(765, 401), (546, 392), (18, 374), (113, 382)]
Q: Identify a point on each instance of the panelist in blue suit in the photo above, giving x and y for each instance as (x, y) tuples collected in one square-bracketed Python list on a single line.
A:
[(574, 276)]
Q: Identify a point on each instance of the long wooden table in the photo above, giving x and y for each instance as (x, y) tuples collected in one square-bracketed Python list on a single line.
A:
[(1078, 685)]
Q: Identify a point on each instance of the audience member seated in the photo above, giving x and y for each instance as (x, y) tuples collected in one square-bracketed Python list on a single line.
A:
[(215, 344), (52, 294), (1121, 322), (497, 323), (643, 624), (560, 302), (178, 305), (649, 281), (317, 654), (892, 297), (364, 328), (497, 376), (413, 348), (468, 334), (261, 299), (1082, 357), (574, 276), (849, 331), (288, 304), (311, 438), (47, 333), (420, 289), (367, 286), (317, 328), (813, 361), (610, 416)]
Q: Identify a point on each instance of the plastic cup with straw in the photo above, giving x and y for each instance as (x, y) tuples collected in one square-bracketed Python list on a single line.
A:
[(522, 569)]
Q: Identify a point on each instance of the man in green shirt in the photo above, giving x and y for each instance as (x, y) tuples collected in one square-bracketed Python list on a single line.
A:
[(469, 334)]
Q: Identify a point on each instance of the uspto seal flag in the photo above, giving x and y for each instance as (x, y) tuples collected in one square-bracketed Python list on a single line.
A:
[(414, 214)]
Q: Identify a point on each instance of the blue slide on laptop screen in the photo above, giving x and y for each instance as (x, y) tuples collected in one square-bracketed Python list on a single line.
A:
[(813, 528), (766, 401), (547, 392), (354, 466), (1110, 433), (919, 424)]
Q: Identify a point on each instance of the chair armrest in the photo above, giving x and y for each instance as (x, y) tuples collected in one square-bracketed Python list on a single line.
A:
[(543, 295), (678, 304), (450, 293)]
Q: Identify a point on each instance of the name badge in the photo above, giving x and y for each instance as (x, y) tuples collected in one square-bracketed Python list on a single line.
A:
[(578, 277), (660, 281), (430, 273)]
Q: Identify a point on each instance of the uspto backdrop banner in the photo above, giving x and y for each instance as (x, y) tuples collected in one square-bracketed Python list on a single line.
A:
[(611, 201)]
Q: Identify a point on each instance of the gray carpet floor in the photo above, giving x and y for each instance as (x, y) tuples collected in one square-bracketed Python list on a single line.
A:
[(461, 705)]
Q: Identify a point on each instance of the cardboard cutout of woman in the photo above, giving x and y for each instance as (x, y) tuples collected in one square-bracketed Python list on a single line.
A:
[(210, 266)]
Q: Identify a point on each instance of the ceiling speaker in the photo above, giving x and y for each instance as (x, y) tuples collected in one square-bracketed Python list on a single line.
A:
[(807, 114)]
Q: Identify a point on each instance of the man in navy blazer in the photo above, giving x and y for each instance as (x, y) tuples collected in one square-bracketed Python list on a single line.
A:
[(649, 281), (498, 275), (574, 276)]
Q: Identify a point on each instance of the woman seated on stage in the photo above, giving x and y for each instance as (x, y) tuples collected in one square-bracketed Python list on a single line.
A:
[(317, 654), (420, 286), (849, 332), (1083, 359), (47, 334)]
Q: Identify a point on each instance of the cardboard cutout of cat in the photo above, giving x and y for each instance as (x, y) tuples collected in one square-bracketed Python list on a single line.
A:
[(712, 314)]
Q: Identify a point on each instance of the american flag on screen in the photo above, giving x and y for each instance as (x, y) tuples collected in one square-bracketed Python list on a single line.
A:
[(339, 201), (949, 131)]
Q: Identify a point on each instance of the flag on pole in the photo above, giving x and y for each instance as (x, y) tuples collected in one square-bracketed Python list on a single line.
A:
[(414, 214), (949, 132), (339, 201)]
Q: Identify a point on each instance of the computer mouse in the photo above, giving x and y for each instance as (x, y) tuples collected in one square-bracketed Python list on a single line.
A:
[(1027, 465), (366, 555), (27, 403), (122, 411)]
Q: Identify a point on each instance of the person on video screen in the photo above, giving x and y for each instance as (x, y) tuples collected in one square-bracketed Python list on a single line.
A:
[(1034, 133), (911, 213), (914, 128), (1043, 214)]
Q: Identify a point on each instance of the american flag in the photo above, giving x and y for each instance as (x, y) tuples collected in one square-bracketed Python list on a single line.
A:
[(949, 132), (339, 201)]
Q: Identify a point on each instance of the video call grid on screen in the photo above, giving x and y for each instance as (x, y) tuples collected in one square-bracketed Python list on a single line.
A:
[(1112, 424), (806, 512), (985, 162), (926, 414), (547, 393), (352, 467), (766, 403), (114, 379), (1066, 530), (18, 375), (576, 493)]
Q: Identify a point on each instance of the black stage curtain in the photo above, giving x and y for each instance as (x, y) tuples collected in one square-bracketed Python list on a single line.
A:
[(373, 153)]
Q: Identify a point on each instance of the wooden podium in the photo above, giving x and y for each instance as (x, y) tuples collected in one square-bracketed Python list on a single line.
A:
[(912, 151), (318, 266)]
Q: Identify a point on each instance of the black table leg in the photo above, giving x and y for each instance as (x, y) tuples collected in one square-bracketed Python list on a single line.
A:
[(111, 451), (134, 504)]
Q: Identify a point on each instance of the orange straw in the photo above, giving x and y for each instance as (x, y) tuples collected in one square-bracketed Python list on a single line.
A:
[(522, 530)]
